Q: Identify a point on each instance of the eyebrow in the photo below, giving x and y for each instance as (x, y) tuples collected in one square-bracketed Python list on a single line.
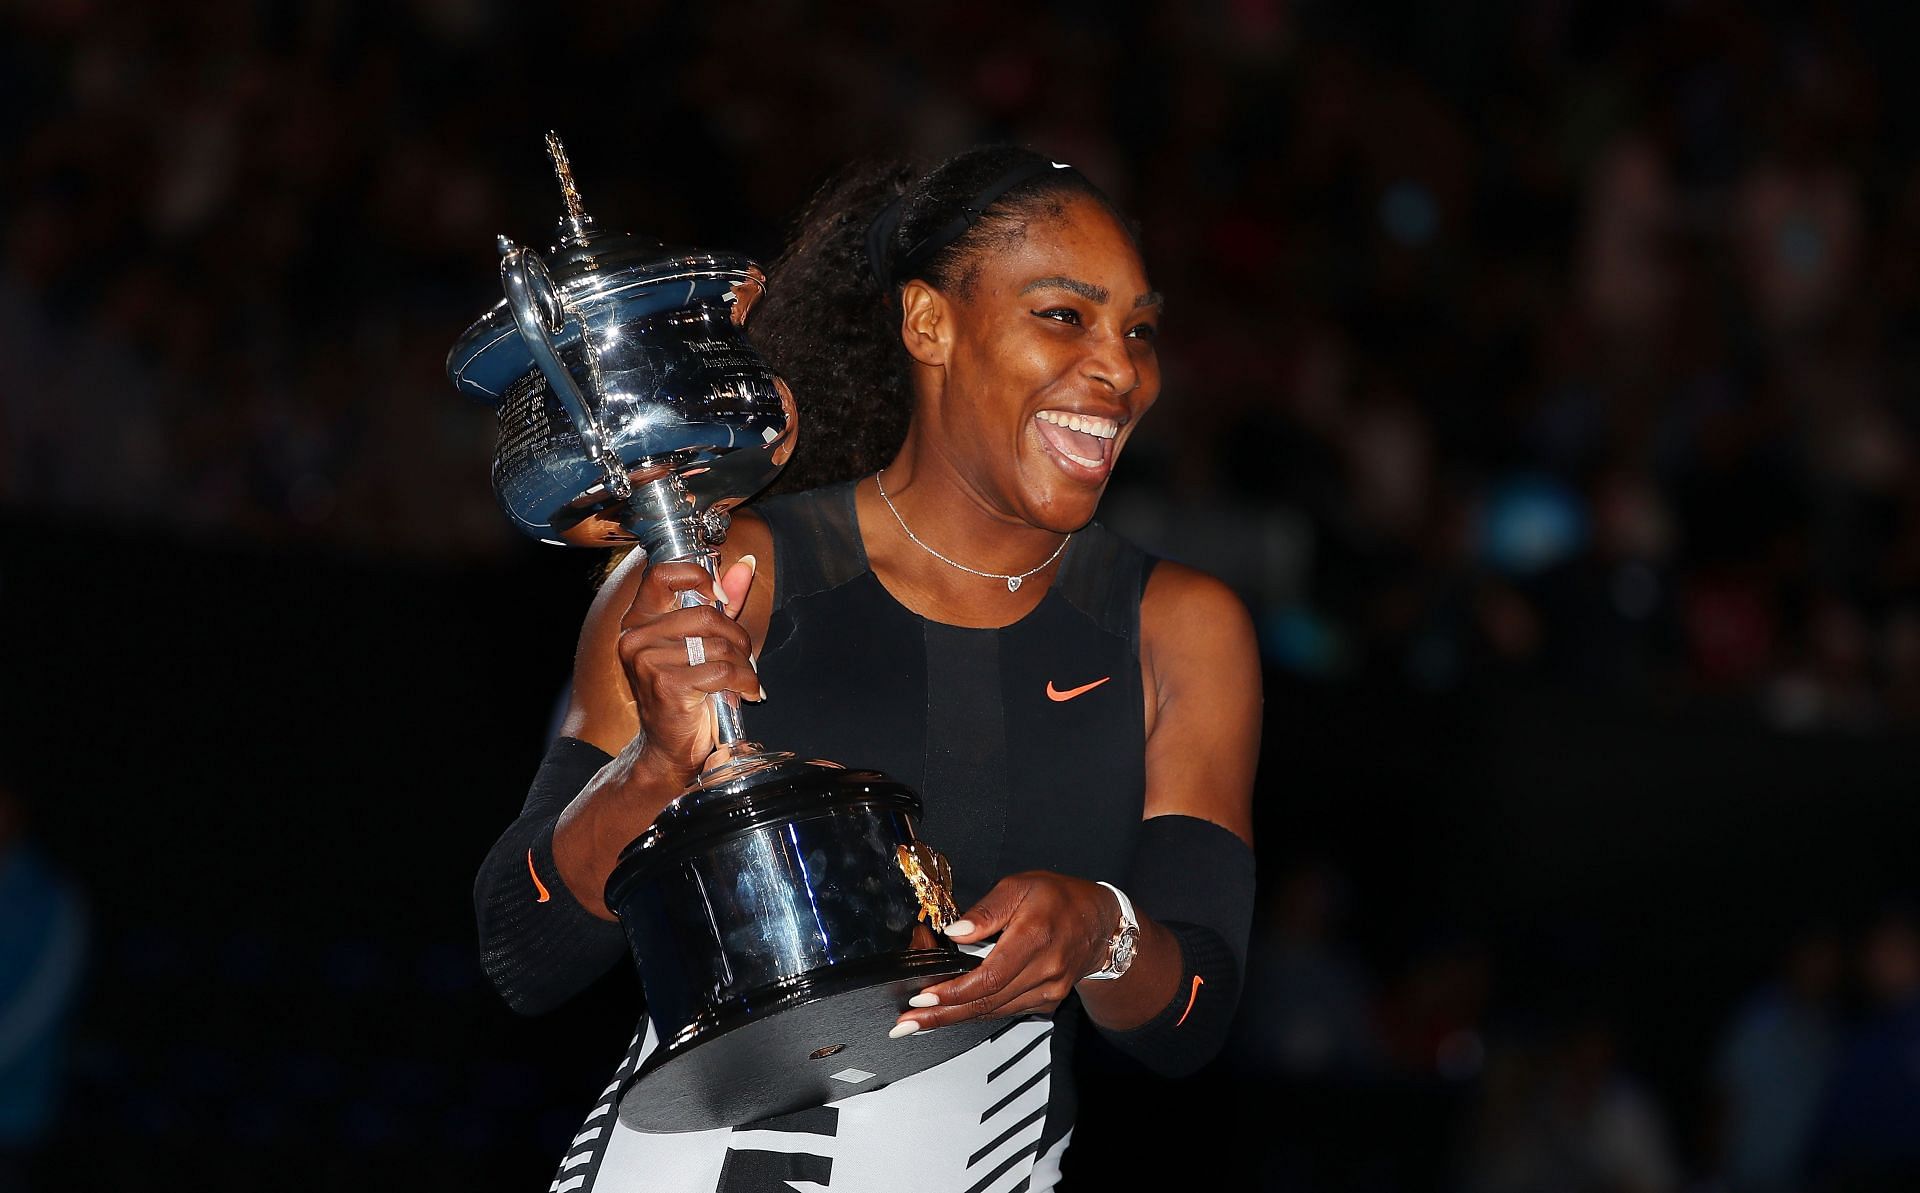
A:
[(1086, 290), (1090, 292)]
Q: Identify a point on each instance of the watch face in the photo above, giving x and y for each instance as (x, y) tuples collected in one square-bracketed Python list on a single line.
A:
[(1123, 951)]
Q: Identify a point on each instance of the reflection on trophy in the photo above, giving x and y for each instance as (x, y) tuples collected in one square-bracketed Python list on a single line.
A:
[(781, 911)]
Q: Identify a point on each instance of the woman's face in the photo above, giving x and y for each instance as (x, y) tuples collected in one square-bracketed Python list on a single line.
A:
[(1050, 365)]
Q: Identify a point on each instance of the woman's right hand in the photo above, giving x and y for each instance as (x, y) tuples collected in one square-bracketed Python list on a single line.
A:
[(670, 692)]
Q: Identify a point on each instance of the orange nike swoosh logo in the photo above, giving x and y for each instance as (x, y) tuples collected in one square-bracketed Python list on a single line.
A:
[(542, 887), (1054, 693), (1198, 982)]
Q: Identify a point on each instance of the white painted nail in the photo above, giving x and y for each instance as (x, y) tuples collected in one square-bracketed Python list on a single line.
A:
[(904, 1029), (960, 928), (924, 1000), (753, 564)]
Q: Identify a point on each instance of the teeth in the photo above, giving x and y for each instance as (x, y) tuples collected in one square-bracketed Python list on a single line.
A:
[(1086, 424)]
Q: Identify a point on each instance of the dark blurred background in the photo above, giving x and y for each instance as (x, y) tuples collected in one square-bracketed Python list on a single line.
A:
[(1543, 374)]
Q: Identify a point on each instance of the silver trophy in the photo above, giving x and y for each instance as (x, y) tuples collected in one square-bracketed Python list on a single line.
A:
[(631, 407), (781, 911)]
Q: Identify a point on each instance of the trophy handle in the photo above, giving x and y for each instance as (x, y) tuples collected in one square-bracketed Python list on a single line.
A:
[(538, 315)]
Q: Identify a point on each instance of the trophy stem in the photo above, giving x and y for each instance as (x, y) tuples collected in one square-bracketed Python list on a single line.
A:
[(729, 730), (663, 516)]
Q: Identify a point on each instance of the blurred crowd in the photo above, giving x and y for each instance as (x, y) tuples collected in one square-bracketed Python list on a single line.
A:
[(1812, 1085), (1563, 339), (1591, 354)]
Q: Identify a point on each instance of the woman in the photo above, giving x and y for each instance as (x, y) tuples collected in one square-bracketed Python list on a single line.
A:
[(1080, 722)]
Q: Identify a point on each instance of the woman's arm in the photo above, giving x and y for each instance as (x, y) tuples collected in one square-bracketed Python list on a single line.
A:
[(545, 931), (1192, 878), (538, 945), (636, 697), (1193, 868)]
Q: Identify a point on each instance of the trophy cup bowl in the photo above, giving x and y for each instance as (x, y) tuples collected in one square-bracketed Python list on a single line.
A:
[(781, 911)]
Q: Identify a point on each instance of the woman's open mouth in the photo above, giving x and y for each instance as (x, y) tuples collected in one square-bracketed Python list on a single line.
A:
[(1085, 440)]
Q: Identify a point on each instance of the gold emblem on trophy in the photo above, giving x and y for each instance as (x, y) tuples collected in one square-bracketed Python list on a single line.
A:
[(931, 877)]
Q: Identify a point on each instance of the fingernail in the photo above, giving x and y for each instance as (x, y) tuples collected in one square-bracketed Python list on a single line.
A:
[(753, 564), (924, 1000), (960, 928), (904, 1028)]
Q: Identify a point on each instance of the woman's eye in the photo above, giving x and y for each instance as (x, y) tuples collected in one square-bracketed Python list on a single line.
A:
[(1062, 314), (1146, 331)]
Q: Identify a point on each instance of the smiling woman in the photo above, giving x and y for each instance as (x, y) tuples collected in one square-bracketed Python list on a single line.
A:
[(971, 349)]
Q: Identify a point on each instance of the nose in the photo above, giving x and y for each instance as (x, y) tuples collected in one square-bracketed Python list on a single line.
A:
[(1109, 361)]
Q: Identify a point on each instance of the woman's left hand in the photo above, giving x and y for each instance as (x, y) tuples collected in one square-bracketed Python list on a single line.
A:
[(1053, 931)]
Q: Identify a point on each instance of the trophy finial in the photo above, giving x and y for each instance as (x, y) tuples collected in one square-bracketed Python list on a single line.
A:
[(576, 224)]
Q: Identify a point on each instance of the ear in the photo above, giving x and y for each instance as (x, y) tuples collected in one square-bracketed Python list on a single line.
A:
[(926, 323)]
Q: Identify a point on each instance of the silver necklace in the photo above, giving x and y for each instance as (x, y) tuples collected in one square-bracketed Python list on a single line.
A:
[(1013, 582)]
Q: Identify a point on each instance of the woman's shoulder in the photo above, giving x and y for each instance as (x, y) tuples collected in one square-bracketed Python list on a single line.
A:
[(1178, 590), (1200, 660), (1195, 629), (815, 534), (806, 509), (1184, 604)]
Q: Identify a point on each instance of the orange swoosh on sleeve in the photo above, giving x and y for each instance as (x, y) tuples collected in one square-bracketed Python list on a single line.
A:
[(1056, 694), (542, 887), (1198, 982)]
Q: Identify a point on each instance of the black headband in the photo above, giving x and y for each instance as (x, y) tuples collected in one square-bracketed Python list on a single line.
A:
[(881, 230)]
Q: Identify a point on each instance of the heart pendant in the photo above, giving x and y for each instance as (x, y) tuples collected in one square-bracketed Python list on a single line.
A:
[(1013, 584)]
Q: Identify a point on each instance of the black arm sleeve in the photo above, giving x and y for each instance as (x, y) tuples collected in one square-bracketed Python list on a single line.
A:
[(1195, 879), (537, 944)]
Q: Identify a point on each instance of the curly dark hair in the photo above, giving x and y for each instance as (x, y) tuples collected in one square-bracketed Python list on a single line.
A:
[(831, 327)]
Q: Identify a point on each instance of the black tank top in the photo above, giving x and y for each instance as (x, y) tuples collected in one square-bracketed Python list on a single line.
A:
[(1026, 743)]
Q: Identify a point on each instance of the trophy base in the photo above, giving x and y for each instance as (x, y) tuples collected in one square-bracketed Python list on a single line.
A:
[(812, 1040)]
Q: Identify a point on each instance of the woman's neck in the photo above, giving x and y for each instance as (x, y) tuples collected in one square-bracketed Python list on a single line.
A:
[(945, 549)]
